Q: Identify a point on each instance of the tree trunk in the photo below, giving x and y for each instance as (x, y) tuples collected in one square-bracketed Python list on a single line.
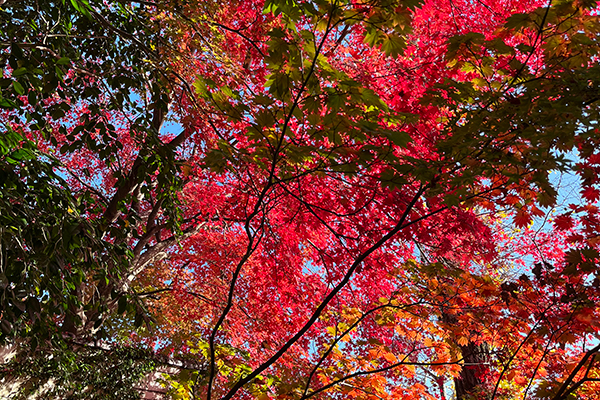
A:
[(475, 358)]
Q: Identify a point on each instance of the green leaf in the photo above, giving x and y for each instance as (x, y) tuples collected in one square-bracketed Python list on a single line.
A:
[(82, 6), (200, 87), (19, 72), (372, 36), (517, 21), (311, 104), (57, 114), (336, 101), (451, 200), (32, 98), (122, 305), (399, 138), (139, 319), (7, 103), (63, 61), (393, 45), (22, 154), (18, 87)]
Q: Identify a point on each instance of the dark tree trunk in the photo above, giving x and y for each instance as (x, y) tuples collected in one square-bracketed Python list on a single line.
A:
[(475, 358)]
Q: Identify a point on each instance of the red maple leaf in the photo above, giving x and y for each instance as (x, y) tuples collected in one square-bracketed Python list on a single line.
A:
[(563, 222), (522, 218), (590, 193)]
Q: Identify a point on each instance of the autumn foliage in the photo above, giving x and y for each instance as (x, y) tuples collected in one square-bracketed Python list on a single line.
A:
[(310, 199)]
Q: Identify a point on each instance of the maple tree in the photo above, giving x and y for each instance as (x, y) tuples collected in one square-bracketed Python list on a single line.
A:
[(342, 205)]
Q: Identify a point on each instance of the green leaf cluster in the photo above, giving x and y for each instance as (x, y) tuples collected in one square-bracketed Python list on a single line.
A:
[(80, 372)]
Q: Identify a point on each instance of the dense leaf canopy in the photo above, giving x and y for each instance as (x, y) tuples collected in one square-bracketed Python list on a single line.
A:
[(295, 199)]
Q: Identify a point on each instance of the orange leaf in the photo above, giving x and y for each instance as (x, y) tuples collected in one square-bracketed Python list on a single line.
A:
[(389, 357)]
